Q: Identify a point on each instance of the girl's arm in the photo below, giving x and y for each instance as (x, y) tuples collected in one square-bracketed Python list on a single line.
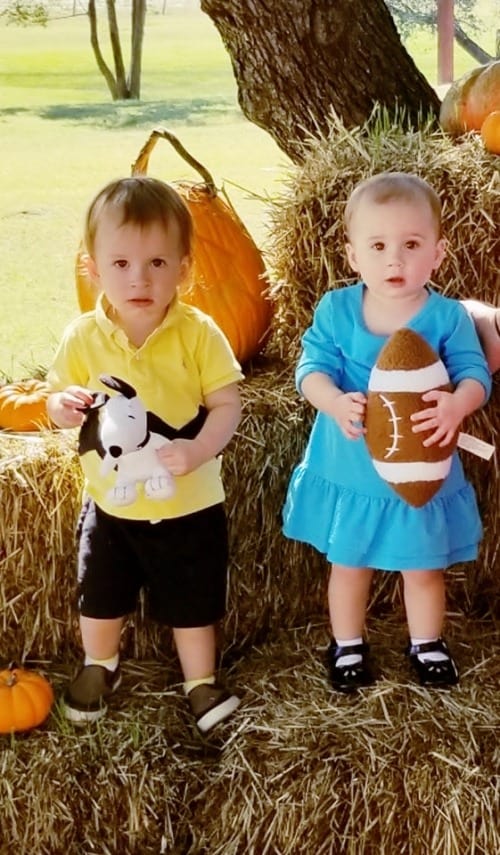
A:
[(181, 456), (347, 408), (448, 411)]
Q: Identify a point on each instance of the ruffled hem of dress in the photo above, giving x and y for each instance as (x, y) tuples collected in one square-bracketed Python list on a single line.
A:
[(385, 533)]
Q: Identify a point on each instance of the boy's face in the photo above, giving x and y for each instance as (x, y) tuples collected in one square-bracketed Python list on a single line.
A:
[(394, 246), (138, 269)]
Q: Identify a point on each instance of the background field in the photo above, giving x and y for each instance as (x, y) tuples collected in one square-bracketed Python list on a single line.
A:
[(62, 137)]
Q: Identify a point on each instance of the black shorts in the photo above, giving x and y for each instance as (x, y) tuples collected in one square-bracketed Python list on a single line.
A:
[(181, 564)]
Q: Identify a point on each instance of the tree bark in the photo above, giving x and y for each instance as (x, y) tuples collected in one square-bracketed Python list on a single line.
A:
[(114, 37), (138, 20), (295, 60)]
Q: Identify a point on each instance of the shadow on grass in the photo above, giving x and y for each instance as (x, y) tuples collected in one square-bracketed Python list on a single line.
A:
[(121, 114)]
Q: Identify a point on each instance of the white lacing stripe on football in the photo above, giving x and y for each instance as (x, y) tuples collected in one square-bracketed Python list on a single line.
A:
[(412, 380), (404, 473)]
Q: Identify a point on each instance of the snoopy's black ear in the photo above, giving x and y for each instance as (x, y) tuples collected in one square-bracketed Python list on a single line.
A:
[(118, 385), (98, 400)]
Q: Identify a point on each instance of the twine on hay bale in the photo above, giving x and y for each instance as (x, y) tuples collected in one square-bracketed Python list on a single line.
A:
[(274, 582)]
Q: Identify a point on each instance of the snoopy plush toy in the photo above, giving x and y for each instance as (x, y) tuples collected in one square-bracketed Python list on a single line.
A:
[(126, 436)]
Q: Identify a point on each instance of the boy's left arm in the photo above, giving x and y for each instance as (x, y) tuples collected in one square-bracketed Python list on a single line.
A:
[(181, 456)]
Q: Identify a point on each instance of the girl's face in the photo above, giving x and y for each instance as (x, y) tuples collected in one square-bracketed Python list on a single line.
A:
[(394, 247), (138, 268)]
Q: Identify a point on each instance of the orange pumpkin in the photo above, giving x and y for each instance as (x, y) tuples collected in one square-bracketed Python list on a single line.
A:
[(228, 280), (23, 405), (26, 699), (490, 132), (471, 98)]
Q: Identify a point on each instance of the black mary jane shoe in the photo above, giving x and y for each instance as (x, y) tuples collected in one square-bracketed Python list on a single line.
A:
[(441, 672), (349, 678)]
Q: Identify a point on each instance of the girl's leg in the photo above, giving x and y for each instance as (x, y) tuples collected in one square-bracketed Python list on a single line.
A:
[(425, 599), (348, 592)]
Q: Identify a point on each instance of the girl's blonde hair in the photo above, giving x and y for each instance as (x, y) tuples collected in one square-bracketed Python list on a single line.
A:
[(390, 186)]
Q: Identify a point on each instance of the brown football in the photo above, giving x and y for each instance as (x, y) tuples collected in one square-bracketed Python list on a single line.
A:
[(406, 368)]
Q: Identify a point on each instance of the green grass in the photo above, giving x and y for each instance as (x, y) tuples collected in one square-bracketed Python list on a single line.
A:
[(62, 137)]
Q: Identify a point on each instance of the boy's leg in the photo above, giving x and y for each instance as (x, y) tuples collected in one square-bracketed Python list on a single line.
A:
[(99, 676), (196, 649), (101, 637), (348, 592), (425, 600), (210, 702)]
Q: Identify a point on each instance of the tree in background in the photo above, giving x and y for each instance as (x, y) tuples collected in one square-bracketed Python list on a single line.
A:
[(26, 12), (295, 60), (122, 86), (411, 14)]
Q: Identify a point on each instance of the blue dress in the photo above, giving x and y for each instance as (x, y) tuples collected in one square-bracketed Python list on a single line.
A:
[(336, 501)]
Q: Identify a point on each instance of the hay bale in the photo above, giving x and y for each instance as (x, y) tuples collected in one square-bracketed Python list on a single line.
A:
[(40, 487), (307, 258), (306, 240), (398, 769), (274, 582)]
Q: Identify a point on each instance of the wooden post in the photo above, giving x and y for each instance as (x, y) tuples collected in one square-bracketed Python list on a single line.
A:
[(446, 34)]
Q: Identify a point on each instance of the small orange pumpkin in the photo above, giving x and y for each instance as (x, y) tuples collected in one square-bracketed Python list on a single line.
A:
[(228, 280), (490, 132), (23, 405), (26, 699), (470, 99)]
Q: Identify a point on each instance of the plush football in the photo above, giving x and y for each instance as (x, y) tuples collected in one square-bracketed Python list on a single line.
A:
[(406, 368)]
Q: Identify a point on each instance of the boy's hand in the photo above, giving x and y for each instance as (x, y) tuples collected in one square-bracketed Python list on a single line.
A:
[(67, 409), (181, 456), (443, 418), (348, 410)]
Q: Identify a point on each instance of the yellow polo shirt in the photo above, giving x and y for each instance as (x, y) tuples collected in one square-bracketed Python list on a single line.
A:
[(186, 358)]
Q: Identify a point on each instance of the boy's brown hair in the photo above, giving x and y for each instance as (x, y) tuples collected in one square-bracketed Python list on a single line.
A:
[(140, 200), (389, 186)]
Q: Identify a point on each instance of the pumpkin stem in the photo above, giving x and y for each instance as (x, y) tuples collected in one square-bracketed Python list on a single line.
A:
[(140, 165), (12, 678)]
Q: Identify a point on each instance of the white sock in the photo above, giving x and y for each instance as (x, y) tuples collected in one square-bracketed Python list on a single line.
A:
[(349, 658), (433, 656), (189, 685), (110, 664)]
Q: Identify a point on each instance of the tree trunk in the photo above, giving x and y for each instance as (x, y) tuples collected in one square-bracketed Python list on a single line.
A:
[(138, 20), (295, 60), (101, 64), (114, 37)]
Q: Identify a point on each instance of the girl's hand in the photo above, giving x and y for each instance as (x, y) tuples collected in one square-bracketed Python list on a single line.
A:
[(443, 418), (67, 409), (348, 410)]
